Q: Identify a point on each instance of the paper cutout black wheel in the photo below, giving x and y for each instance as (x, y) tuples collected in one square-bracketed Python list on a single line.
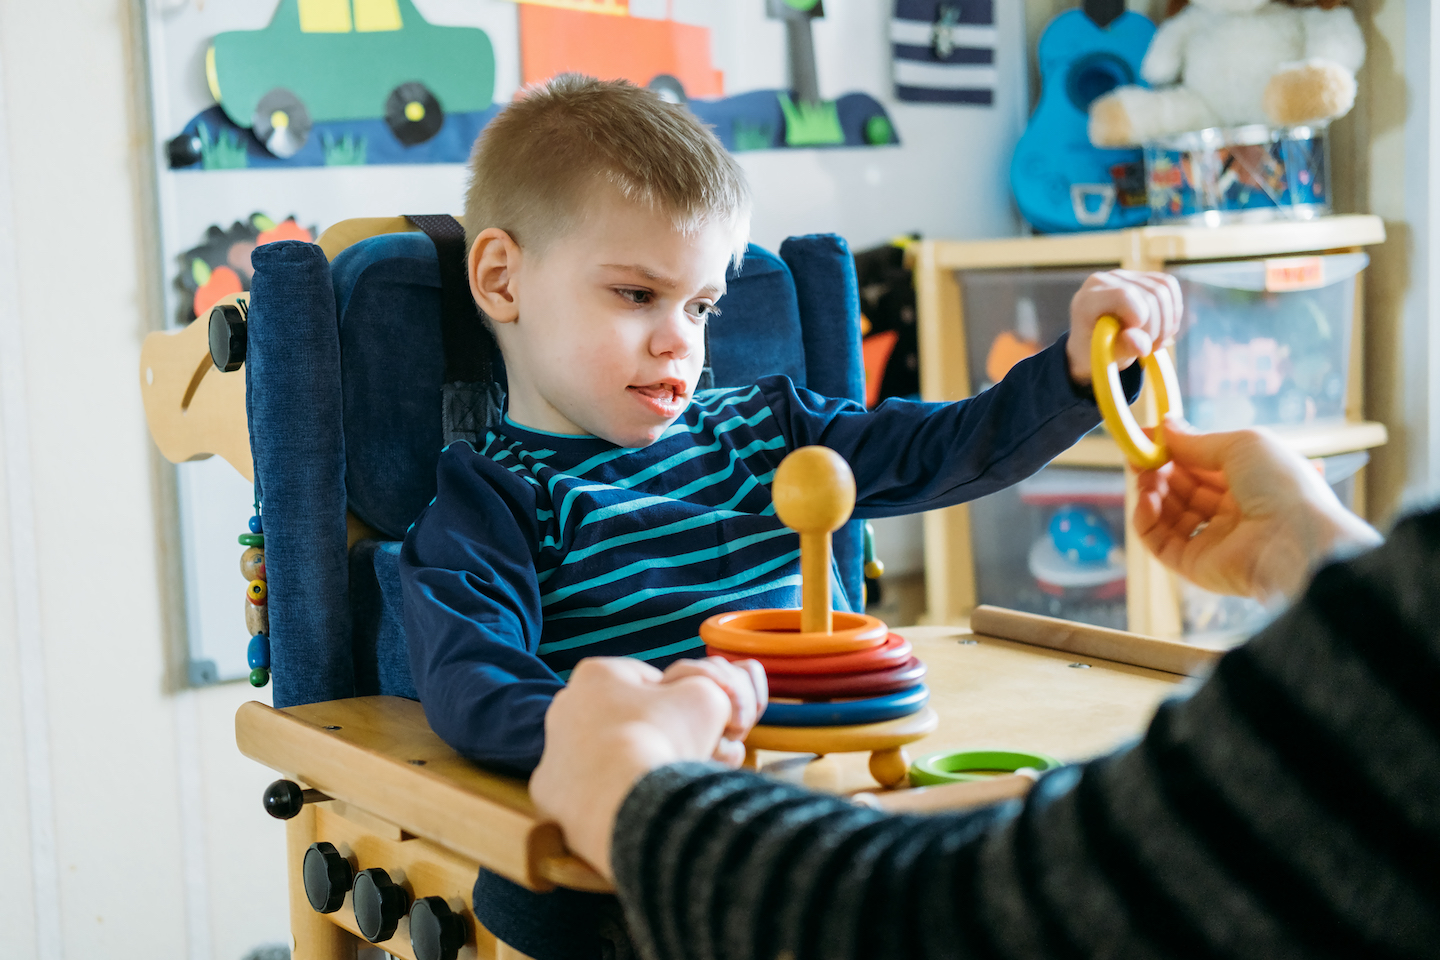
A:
[(281, 123), (413, 114), (669, 89)]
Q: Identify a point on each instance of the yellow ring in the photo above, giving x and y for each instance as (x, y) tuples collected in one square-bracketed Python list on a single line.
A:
[(1139, 449), (776, 633)]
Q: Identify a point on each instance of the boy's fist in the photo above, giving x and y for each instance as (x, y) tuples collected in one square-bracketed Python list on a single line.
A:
[(1148, 306)]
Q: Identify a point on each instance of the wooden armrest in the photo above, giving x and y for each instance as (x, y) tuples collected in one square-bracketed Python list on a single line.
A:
[(380, 755)]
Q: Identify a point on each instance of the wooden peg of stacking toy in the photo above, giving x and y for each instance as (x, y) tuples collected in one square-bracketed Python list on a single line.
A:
[(814, 492)]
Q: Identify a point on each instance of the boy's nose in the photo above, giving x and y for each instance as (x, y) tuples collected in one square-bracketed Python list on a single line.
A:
[(674, 336)]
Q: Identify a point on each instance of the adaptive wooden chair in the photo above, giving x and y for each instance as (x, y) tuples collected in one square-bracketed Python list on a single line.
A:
[(342, 394)]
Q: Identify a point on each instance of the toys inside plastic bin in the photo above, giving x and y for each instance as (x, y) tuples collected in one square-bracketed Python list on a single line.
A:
[(1055, 544), (1012, 314), (1266, 341), (1242, 174)]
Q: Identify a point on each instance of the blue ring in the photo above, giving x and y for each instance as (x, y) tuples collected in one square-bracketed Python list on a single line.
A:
[(844, 713)]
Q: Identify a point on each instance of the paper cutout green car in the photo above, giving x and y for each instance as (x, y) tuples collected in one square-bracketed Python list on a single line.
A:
[(324, 60)]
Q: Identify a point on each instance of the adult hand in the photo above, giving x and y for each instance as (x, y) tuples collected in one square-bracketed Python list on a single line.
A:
[(619, 718), (1239, 513), (744, 683), (1148, 306)]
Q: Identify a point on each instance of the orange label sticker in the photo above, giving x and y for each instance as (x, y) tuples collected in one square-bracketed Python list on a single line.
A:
[(1294, 273)]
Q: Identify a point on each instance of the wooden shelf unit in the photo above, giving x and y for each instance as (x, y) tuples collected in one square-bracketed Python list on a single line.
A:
[(1152, 593)]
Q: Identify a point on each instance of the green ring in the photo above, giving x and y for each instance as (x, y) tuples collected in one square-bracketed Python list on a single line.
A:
[(954, 766), (252, 539)]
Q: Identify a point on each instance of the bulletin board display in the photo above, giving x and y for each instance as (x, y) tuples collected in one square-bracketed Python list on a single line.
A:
[(274, 119)]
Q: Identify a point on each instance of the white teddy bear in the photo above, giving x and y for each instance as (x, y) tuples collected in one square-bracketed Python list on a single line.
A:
[(1227, 63)]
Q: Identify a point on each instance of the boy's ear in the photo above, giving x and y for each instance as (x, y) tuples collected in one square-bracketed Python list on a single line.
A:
[(494, 268)]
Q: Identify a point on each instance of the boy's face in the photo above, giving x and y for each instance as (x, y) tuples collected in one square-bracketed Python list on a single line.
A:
[(603, 331)]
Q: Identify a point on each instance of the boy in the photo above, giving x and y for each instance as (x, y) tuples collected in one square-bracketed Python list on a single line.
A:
[(614, 508)]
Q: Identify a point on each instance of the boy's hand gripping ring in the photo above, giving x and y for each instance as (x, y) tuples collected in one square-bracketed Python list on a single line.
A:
[(1140, 450)]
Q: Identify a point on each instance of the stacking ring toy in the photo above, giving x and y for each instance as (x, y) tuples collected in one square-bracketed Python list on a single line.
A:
[(894, 652), (844, 713), (830, 686), (958, 767), (1141, 451), (778, 633)]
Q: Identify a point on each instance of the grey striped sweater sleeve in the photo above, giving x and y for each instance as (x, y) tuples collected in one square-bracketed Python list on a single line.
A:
[(1288, 808)]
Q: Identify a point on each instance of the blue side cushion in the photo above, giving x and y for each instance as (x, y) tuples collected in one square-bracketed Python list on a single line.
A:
[(387, 295), (758, 331), (382, 659), (292, 402)]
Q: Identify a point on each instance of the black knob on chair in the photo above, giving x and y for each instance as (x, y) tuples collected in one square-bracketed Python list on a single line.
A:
[(284, 798), (379, 904), (327, 877), (227, 337), (436, 933)]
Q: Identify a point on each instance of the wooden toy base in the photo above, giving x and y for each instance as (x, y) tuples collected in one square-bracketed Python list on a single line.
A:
[(885, 741)]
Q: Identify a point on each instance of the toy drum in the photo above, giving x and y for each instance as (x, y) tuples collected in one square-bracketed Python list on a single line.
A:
[(1239, 174)]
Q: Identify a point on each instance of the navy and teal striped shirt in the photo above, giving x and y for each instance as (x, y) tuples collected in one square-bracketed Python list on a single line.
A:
[(540, 549)]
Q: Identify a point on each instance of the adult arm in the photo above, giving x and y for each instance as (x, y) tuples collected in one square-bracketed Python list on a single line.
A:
[(1287, 809), (473, 616)]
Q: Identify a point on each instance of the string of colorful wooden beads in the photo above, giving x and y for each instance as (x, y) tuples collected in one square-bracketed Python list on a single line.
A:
[(840, 682), (257, 600)]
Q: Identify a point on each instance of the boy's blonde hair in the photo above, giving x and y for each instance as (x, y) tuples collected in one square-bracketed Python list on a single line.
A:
[(535, 163)]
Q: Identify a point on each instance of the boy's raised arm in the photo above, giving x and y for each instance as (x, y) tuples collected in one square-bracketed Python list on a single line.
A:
[(910, 456), (473, 618)]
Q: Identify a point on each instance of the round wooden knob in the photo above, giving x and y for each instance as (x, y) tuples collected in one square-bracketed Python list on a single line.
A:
[(814, 490)]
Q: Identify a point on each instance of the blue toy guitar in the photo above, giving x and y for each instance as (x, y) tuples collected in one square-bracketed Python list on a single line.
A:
[(1061, 182)]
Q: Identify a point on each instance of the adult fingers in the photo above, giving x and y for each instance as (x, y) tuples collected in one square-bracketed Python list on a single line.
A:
[(737, 683)]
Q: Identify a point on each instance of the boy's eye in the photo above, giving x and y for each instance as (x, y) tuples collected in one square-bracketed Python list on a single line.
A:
[(635, 296), (702, 310)]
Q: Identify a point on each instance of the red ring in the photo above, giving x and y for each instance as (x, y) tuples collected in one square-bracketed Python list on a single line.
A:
[(895, 651), (829, 686)]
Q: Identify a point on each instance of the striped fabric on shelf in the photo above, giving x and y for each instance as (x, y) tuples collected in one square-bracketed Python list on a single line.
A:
[(944, 51)]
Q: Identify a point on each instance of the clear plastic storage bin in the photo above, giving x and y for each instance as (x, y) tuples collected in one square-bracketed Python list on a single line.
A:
[(1055, 544), (1266, 341), (1262, 342)]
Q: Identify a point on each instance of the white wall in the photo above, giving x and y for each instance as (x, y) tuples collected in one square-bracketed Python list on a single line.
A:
[(129, 826), (1384, 159)]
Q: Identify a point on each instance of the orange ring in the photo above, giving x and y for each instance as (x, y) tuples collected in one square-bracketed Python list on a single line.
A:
[(777, 633), (893, 652)]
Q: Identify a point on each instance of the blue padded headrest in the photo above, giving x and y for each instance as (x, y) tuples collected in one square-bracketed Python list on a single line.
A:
[(387, 296)]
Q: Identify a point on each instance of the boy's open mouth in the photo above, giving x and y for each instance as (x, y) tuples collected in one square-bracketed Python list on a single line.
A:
[(664, 396)]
